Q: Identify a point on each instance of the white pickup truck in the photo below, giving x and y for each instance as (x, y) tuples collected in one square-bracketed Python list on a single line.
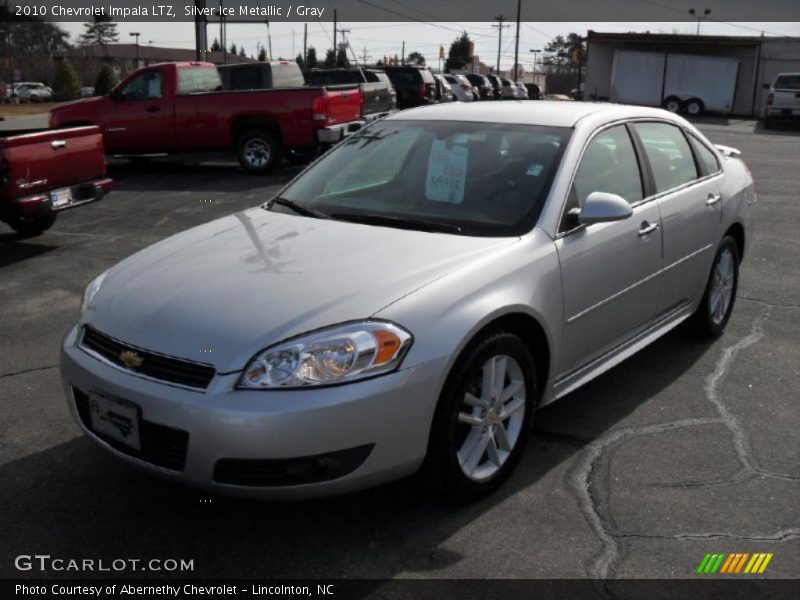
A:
[(783, 100)]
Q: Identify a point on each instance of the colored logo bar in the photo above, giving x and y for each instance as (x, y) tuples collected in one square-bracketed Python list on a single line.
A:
[(734, 563)]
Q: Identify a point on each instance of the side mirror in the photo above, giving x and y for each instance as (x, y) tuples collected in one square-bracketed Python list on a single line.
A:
[(601, 207), (115, 95), (766, 86)]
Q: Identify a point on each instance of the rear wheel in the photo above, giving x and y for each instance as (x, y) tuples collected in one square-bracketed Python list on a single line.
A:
[(483, 418), (31, 226), (258, 151), (717, 305), (673, 104), (694, 106)]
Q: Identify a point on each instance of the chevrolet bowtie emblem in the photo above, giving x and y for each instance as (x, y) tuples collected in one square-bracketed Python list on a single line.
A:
[(130, 359)]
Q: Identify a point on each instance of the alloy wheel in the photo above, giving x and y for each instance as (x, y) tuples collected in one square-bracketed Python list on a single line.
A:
[(491, 418), (257, 153), (723, 279)]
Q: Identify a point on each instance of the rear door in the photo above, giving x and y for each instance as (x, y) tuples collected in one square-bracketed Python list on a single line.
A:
[(686, 186), (140, 120), (608, 270)]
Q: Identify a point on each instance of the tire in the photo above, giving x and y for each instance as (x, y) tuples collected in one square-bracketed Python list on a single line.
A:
[(463, 428), (694, 106), (673, 104), (715, 310), (301, 156), (258, 151), (31, 226)]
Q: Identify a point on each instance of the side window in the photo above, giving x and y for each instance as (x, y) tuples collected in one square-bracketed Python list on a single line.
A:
[(608, 165), (246, 78), (707, 158), (146, 86), (194, 80), (669, 154)]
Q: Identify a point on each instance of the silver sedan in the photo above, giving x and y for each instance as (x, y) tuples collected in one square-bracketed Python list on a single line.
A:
[(409, 301)]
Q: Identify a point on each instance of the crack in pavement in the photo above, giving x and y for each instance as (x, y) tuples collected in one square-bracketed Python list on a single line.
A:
[(23, 371), (770, 304), (778, 536), (603, 563)]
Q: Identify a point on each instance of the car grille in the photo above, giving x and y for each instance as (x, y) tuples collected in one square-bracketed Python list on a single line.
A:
[(290, 471), (157, 366), (160, 445)]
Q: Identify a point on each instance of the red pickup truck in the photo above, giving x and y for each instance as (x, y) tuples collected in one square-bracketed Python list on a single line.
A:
[(46, 172), (180, 107)]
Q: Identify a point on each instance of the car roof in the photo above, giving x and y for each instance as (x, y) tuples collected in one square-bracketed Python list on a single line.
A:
[(527, 112)]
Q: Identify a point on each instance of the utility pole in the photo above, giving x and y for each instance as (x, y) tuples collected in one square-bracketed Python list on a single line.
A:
[(535, 52), (269, 39), (403, 54), (699, 17), (335, 26), (222, 39), (305, 46), (136, 34), (364, 57), (500, 19), (516, 44)]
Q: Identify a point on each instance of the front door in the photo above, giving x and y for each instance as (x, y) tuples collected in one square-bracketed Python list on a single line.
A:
[(139, 121), (609, 270)]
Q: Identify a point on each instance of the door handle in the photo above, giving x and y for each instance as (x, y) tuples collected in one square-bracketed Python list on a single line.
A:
[(648, 228), (713, 199), (58, 144), (153, 109)]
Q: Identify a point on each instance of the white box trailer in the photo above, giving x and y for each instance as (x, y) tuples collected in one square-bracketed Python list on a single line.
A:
[(678, 82)]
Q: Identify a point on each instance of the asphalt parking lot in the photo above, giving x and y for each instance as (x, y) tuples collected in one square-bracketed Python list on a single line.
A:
[(689, 447)]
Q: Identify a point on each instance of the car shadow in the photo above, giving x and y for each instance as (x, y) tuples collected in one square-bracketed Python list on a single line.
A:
[(203, 173), (74, 500), (15, 248)]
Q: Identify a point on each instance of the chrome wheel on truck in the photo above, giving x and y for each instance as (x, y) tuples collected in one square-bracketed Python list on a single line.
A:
[(258, 151)]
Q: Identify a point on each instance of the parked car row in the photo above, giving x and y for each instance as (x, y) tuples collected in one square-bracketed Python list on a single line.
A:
[(27, 91)]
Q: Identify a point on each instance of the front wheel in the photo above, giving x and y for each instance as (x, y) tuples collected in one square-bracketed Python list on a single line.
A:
[(673, 104), (31, 226), (483, 418), (717, 305), (694, 106), (258, 151)]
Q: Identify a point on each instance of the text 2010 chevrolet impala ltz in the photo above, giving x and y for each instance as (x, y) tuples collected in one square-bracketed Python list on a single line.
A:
[(409, 301)]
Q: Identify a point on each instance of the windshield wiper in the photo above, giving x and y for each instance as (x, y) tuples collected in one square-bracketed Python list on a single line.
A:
[(300, 209), (400, 222)]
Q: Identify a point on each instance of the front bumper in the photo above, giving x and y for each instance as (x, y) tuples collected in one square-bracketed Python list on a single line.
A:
[(336, 133), (379, 427)]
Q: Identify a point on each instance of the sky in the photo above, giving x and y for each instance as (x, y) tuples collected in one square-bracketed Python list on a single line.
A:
[(381, 39)]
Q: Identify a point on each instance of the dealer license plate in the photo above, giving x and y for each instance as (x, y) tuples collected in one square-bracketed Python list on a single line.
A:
[(61, 198), (118, 419)]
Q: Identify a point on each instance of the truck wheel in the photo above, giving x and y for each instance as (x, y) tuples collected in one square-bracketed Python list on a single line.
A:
[(483, 419), (258, 151), (31, 226), (673, 104), (694, 106)]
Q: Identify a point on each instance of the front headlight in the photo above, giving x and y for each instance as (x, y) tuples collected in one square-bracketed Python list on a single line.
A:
[(335, 355), (91, 290)]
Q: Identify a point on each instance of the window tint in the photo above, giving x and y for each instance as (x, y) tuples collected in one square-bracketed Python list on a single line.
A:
[(146, 86), (707, 158), (608, 165), (194, 80), (670, 157), (787, 82), (246, 78)]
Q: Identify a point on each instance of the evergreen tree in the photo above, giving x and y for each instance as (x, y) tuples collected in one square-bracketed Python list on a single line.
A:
[(300, 63), (341, 57), (330, 59), (262, 55), (106, 80), (66, 84), (100, 30), (311, 58), (216, 46), (459, 54), (415, 58), (234, 50)]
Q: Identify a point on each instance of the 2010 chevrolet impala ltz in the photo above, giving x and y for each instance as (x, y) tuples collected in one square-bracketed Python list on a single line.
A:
[(409, 300)]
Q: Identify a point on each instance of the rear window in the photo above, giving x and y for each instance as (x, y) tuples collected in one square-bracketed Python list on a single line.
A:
[(246, 78), (194, 80), (788, 82), (670, 157)]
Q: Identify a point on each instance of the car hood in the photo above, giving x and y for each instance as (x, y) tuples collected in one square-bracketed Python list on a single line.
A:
[(75, 109), (222, 291)]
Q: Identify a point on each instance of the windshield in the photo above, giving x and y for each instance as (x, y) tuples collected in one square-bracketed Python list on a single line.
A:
[(483, 179)]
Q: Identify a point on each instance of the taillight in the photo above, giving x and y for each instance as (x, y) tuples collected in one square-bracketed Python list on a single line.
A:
[(422, 90), (464, 86), (319, 108), (770, 99)]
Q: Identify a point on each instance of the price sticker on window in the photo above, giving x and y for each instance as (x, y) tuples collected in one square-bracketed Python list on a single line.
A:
[(447, 173)]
